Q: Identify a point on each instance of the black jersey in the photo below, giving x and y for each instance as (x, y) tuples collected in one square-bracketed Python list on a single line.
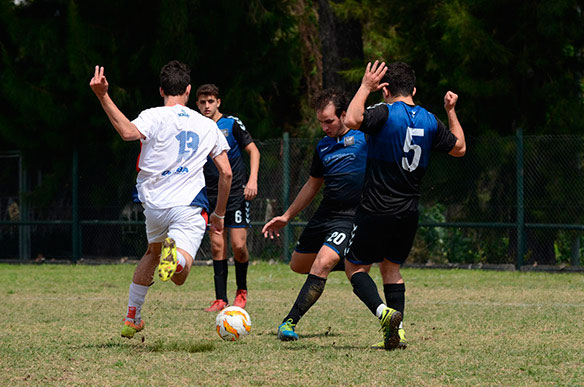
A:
[(400, 139), (341, 162), (237, 138)]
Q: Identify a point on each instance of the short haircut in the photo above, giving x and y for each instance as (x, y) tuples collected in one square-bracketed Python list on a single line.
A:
[(326, 96), (401, 79), (174, 78), (208, 89)]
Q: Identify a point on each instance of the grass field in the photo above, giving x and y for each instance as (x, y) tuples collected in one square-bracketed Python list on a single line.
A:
[(60, 325)]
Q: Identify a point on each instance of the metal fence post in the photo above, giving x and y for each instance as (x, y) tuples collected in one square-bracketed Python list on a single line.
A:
[(576, 250), (24, 237), (286, 192), (76, 229), (520, 203)]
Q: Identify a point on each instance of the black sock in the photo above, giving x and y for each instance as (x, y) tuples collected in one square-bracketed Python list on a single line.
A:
[(395, 296), (309, 294), (220, 277), (366, 290), (241, 274), (340, 266)]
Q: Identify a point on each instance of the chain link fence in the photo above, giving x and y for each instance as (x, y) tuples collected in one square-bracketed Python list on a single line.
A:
[(471, 207)]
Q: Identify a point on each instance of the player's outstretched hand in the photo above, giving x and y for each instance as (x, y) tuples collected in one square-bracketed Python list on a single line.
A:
[(99, 83), (250, 191), (216, 224), (373, 75), (450, 100), (273, 227)]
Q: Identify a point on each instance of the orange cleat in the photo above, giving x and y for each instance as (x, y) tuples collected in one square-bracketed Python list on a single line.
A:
[(240, 298), (217, 306)]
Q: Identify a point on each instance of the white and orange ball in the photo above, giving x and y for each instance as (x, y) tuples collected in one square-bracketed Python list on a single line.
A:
[(233, 323)]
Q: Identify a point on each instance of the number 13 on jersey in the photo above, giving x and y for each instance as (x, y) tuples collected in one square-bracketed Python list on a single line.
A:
[(186, 140)]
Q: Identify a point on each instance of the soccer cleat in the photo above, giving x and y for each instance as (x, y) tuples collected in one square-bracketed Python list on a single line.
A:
[(217, 306), (403, 344), (240, 298), (390, 320), (130, 328), (286, 331), (168, 261)]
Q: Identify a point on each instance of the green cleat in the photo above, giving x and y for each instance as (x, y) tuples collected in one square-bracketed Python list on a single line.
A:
[(286, 331), (403, 344), (390, 320), (168, 261), (130, 328)]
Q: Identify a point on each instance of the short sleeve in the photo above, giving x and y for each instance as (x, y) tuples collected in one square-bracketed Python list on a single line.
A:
[(374, 118), (316, 168), (147, 124), (240, 134), (443, 140), (220, 143)]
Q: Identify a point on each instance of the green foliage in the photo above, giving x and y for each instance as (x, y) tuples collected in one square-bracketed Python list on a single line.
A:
[(509, 62)]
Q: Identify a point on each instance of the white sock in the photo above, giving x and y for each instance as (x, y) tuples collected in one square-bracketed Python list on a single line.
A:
[(401, 325), (181, 262), (135, 301), (380, 310)]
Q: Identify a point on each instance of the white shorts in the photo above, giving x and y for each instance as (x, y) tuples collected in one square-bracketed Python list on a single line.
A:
[(185, 225)]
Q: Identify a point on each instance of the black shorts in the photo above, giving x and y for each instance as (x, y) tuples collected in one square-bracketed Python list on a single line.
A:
[(238, 218), (378, 237), (325, 232)]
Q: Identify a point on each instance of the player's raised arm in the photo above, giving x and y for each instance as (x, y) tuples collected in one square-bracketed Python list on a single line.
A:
[(127, 130), (370, 83), (251, 188), (459, 148), (304, 197), (222, 163)]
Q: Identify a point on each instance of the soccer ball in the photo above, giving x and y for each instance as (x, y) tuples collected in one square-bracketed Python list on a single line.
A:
[(232, 323)]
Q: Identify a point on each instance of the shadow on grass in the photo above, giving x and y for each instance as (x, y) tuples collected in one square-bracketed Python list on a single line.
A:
[(158, 345)]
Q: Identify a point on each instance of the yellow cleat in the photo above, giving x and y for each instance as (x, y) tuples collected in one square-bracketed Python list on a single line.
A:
[(403, 344), (130, 328), (168, 261), (390, 321)]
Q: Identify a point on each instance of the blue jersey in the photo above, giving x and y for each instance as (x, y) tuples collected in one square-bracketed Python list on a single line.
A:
[(341, 162), (237, 138), (400, 139)]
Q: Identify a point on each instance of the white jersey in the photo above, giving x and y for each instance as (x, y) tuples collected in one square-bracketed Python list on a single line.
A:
[(178, 141)]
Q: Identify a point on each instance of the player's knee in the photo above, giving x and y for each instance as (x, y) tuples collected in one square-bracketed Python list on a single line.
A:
[(239, 251), (299, 268)]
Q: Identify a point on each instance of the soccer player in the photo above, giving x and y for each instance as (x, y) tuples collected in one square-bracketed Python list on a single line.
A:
[(338, 162), (176, 142), (401, 136), (243, 190)]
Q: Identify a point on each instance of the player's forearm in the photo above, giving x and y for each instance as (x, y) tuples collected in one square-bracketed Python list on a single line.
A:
[(224, 186), (126, 130), (303, 199), (456, 129), (254, 164), (354, 116)]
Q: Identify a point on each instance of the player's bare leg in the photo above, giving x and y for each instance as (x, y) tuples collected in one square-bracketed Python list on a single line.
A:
[(220, 270), (241, 257), (141, 281), (181, 275), (302, 262)]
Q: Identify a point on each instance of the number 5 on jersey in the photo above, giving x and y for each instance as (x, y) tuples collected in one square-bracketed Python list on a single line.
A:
[(409, 146)]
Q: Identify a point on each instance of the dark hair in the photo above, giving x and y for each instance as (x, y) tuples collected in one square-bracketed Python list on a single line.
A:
[(208, 89), (401, 78), (175, 77), (326, 96)]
